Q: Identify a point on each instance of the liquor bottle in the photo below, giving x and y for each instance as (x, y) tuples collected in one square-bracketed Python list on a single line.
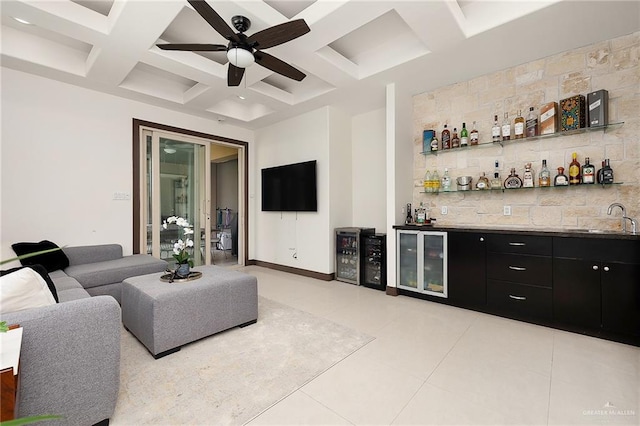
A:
[(455, 141), (435, 179), (513, 181), (409, 219), (446, 138), (605, 174), (574, 170), (506, 127), (426, 182), (445, 182), (495, 130), (544, 178), (421, 214), (531, 124), (434, 143), (588, 172), (464, 135), (518, 125), (527, 177), (496, 182), (483, 182), (561, 179), (474, 135)]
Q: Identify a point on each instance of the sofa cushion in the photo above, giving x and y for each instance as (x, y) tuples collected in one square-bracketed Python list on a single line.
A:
[(73, 294), (43, 273), (51, 261), (66, 283), (24, 289), (115, 271), (90, 254)]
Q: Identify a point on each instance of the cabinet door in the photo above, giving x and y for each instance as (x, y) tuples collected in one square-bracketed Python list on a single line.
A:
[(576, 292), (621, 297), (467, 269), (407, 261), (434, 263)]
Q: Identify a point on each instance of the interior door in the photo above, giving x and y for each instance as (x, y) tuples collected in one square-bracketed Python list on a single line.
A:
[(177, 183)]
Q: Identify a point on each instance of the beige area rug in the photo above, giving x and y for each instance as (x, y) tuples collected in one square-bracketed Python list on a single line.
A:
[(230, 377)]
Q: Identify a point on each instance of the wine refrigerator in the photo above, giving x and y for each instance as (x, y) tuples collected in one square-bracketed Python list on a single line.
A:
[(374, 261), (348, 253)]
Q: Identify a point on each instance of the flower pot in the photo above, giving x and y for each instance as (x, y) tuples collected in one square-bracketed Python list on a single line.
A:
[(183, 270)]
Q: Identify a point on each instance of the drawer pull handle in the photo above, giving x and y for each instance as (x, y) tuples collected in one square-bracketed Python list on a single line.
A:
[(517, 244), (517, 297), (517, 268), (595, 267), (606, 269)]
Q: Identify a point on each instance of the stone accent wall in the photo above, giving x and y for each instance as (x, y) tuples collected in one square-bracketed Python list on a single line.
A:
[(613, 65)]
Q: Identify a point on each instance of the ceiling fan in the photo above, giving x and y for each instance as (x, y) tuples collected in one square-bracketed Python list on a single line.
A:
[(242, 50)]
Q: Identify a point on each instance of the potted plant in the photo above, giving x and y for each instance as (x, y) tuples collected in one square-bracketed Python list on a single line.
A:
[(184, 262)]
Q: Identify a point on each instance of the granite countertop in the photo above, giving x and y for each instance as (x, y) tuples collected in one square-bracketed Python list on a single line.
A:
[(550, 232)]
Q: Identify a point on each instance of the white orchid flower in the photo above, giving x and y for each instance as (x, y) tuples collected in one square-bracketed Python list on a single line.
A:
[(164, 224), (189, 243), (182, 222), (187, 231)]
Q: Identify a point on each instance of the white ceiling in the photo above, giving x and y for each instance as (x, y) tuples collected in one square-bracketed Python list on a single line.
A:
[(355, 48)]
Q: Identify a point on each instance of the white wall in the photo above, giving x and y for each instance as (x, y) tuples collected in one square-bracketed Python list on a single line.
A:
[(369, 170), (275, 237), (65, 151)]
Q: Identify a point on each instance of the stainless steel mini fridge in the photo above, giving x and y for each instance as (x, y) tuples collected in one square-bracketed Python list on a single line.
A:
[(348, 242)]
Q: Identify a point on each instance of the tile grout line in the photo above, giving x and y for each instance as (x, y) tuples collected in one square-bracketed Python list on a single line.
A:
[(553, 351), (434, 369)]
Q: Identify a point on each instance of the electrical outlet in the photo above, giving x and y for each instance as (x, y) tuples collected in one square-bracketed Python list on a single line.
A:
[(507, 210), (121, 196), (444, 210)]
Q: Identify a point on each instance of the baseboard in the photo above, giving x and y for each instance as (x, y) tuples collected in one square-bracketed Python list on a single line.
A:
[(292, 270), (392, 291)]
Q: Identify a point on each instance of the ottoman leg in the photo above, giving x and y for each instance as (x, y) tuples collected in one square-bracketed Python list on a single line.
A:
[(248, 323), (165, 353)]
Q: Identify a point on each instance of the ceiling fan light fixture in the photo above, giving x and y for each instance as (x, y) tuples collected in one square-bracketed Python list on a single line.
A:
[(240, 57), (170, 150)]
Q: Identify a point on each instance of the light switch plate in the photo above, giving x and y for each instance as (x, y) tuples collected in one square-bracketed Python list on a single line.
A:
[(507, 210), (444, 210)]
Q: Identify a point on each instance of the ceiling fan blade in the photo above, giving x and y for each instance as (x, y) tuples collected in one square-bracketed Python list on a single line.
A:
[(278, 34), (234, 75), (276, 65), (194, 47), (215, 20)]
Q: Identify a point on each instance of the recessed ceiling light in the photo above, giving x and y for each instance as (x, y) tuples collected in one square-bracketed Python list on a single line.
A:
[(22, 21), (241, 97)]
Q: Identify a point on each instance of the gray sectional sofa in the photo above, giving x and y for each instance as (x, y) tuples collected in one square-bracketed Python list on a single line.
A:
[(70, 356)]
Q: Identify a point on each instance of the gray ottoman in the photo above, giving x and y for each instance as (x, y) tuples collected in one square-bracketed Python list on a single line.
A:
[(164, 316)]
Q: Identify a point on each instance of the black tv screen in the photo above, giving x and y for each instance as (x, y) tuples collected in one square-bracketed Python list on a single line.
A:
[(290, 188)]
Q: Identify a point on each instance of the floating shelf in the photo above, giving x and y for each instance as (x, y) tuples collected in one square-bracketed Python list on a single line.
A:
[(529, 139), (595, 185)]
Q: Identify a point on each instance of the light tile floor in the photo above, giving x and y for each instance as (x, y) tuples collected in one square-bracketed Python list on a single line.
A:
[(432, 364)]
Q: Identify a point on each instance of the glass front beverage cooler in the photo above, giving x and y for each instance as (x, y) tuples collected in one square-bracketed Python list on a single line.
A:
[(422, 262), (374, 261), (348, 253)]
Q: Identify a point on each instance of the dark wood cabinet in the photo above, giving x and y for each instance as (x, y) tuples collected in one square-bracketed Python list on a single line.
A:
[(596, 284), (467, 269)]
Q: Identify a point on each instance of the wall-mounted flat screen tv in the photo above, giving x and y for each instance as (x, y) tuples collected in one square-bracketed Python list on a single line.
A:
[(290, 188)]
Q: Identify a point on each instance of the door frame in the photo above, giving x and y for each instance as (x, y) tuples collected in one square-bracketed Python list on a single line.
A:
[(243, 155)]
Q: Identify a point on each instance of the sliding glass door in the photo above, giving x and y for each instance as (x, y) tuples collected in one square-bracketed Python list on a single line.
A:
[(176, 182)]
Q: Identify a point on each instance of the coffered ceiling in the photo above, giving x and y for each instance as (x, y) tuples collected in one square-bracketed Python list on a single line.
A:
[(353, 50)]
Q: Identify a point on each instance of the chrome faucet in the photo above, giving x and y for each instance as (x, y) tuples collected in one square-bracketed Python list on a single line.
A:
[(634, 224), (624, 215)]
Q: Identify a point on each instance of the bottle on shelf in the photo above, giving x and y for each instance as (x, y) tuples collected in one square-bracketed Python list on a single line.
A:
[(574, 170), (434, 143), (455, 141), (518, 126), (464, 135), (544, 178), (527, 177), (473, 136), (506, 127), (495, 130), (588, 172), (531, 124), (483, 182), (496, 182), (513, 181), (409, 219), (446, 138), (561, 179), (605, 174), (435, 181), (445, 182), (426, 182), (421, 214)]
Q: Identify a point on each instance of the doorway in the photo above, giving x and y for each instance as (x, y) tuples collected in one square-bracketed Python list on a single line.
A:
[(174, 176)]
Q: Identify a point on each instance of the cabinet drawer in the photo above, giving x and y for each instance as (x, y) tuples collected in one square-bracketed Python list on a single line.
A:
[(519, 244), (534, 270), (597, 249), (520, 300)]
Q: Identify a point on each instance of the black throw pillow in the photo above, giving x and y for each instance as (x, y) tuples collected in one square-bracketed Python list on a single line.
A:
[(51, 261), (43, 273)]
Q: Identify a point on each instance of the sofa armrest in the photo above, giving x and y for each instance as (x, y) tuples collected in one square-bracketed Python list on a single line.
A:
[(81, 255), (70, 360)]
